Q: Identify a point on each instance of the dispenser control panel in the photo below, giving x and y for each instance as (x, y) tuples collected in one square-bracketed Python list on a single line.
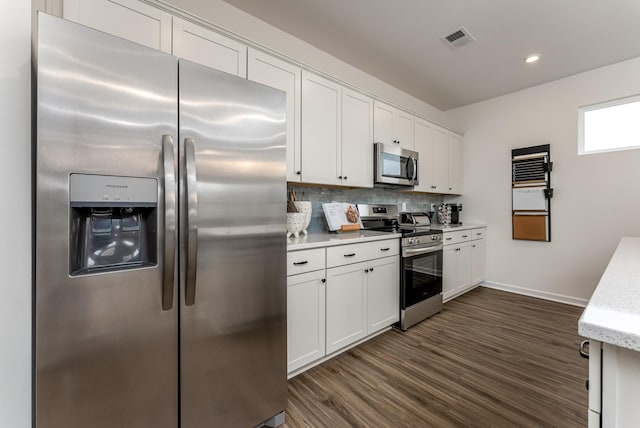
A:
[(107, 190)]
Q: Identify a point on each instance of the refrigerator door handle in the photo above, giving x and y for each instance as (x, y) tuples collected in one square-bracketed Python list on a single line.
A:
[(191, 220), (168, 279)]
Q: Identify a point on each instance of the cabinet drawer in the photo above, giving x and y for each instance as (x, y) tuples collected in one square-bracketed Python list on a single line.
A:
[(478, 233), (379, 249), (347, 254), (305, 261), (449, 238)]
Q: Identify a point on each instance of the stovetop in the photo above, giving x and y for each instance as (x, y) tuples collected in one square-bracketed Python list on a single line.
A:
[(385, 218)]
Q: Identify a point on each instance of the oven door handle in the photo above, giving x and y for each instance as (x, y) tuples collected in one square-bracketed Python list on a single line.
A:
[(418, 251)]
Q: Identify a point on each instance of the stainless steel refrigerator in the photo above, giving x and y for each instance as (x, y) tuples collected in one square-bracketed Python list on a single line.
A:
[(160, 272)]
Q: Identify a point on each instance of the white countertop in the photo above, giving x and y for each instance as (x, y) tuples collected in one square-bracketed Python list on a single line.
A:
[(613, 313), (329, 239), (452, 228)]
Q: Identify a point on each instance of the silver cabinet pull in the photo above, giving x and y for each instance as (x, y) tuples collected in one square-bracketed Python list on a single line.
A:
[(191, 226), (385, 249), (169, 170), (350, 255), (479, 233), (448, 239), (465, 236), (300, 263)]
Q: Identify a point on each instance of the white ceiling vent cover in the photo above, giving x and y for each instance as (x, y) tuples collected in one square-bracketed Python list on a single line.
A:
[(458, 38)]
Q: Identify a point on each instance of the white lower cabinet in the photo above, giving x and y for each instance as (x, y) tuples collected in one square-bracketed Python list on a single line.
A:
[(357, 295), (456, 268), (464, 261), (346, 305), (478, 261), (305, 318), (362, 298), (383, 294), (614, 386)]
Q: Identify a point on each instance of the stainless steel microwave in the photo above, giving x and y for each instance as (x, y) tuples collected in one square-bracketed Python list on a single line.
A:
[(395, 165)]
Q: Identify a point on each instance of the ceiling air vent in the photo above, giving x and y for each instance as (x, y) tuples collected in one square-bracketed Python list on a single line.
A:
[(457, 38)]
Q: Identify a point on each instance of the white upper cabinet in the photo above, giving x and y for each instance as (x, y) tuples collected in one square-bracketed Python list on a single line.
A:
[(424, 147), (392, 126), (383, 123), (270, 71), (403, 126), (128, 19), (440, 160), (456, 166), (357, 137), (203, 46), (321, 130)]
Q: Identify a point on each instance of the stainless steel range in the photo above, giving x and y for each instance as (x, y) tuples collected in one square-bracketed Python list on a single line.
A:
[(421, 260)]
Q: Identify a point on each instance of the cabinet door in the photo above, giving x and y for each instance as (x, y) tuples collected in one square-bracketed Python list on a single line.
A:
[(203, 46), (357, 139), (346, 305), (423, 144), (456, 269), (270, 71), (383, 123), (383, 293), (321, 130), (305, 319), (440, 160), (478, 261), (455, 164), (128, 19), (464, 267), (449, 271), (403, 129)]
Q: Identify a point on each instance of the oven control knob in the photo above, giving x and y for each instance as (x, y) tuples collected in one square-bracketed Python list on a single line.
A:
[(411, 241), (418, 240)]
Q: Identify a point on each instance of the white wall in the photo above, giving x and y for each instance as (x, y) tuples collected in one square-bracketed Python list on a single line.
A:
[(247, 26), (597, 197), (15, 215)]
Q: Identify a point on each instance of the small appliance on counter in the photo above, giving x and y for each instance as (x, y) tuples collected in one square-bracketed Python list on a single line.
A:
[(449, 214)]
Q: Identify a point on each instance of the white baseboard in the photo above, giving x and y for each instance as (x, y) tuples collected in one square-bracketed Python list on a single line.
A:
[(574, 301)]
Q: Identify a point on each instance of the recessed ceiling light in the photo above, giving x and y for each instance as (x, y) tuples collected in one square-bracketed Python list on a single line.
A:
[(532, 58)]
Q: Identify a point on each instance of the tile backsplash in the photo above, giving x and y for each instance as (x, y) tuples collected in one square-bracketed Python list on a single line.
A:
[(321, 195)]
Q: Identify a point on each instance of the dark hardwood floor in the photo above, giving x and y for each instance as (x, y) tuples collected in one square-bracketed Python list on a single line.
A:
[(490, 359)]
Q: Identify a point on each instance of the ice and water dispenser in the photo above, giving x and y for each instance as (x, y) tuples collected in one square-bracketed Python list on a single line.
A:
[(113, 223)]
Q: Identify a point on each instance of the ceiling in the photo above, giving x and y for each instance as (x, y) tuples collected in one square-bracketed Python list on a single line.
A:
[(398, 41)]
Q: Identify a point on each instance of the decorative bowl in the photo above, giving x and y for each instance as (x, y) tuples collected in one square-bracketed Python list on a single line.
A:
[(305, 208), (295, 223)]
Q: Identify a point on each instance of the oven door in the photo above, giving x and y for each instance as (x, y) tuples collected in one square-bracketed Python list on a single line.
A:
[(394, 165), (421, 274)]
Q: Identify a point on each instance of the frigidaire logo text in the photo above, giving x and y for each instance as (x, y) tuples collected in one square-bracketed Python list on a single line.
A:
[(118, 186)]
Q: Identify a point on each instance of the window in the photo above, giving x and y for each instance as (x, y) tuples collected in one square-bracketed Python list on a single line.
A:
[(610, 126)]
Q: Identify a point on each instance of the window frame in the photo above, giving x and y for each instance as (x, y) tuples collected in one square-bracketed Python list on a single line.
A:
[(591, 107)]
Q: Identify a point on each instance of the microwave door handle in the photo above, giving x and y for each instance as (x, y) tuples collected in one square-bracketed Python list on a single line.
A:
[(169, 171), (415, 168), (191, 222)]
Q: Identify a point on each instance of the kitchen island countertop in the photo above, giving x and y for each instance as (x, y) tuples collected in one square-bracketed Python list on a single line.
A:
[(613, 312), (329, 239)]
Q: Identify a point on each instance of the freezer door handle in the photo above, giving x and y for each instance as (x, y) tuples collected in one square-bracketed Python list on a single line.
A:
[(168, 280), (191, 220)]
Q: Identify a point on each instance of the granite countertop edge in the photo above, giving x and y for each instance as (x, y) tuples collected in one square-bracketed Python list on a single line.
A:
[(613, 312)]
